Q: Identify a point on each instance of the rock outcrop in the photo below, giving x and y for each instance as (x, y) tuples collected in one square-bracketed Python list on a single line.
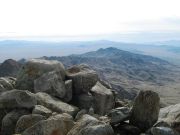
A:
[(53, 101), (89, 125), (17, 99), (103, 99), (9, 121), (56, 125), (171, 115), (145, 110), (83, 78), (50, 83), (27, 121), (34, 69), (55, 104)]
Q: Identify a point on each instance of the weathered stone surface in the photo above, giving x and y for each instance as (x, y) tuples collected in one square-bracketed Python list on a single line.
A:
[(50, 83), (6, 83), (39, 109), (68, 87), (55, 104), (9, 121), (162, 131), (103, 99), (17, 99), (145, 110), (83, 101), (89, 125), (80, 114), (56, 125), (83, 78), (119, 115), (171, 115), (27, 121), (33, 69)]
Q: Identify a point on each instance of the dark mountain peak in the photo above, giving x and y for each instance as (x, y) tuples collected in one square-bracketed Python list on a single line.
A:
[(9, 67), (108, 49)]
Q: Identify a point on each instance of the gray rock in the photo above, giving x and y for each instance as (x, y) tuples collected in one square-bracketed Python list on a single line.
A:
[(55, 104), (27, 121), (83, 101), (68, 87), (50, 83), (103, 99), (6, 83), (83, 78), (162, 131), (39, 109), (145, 110), (171, 115), (35, 68), (89, 125), (9, 121), (17, 99), (80, 114), (119, 115), (56, 125)]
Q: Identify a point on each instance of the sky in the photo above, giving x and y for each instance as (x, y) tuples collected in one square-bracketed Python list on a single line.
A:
[(85, 18)]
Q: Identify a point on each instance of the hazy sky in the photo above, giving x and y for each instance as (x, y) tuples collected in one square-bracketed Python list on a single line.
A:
[(21, 18)]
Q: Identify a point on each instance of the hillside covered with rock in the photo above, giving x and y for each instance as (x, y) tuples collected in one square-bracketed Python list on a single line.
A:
[(47, 99)]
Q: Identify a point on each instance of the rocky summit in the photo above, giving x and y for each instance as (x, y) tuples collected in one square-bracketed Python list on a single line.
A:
[(47, 99)]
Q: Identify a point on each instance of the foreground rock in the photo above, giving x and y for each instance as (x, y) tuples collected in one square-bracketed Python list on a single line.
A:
[(119, 115), (83, 101), (89, 125), (145, 110), (17, 99), (55, 104), (103, 99), (35, 68), (83, 78), (56, 125), (6, 83), (50, 83), (171, 115), (163, 131), (39, 109), (27, 121), (9, 121)]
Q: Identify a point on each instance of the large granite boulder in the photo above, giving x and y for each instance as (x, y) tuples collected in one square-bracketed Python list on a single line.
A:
[(69, 91), (41, 110), (103, 99), (171, 115), (17, 99), (27, 121), (50, 83), (89, 125), (145, 110), (83, 101), (83, 78), (56, 125), (6, 83), (55, 104), (9, 121), (34, 69), (119, 115)]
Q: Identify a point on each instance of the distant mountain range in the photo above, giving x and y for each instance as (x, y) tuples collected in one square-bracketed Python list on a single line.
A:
[(17, 49)]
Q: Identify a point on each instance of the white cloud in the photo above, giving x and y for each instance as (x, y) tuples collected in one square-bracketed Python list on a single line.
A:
[(79, 17)]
